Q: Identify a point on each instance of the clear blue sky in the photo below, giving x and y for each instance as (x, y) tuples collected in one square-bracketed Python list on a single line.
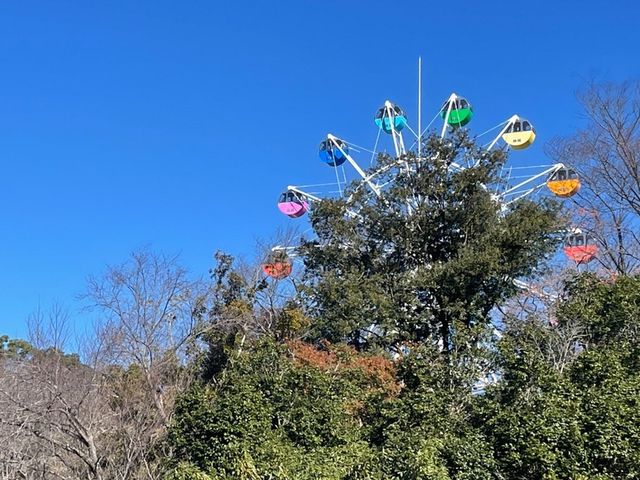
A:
[(176, 124)]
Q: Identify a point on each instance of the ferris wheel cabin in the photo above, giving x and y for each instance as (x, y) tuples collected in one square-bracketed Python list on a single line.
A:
[(292, 204), (330, 153), (564, 183), (277, 266), (520, 134), (390, 117), (461, 111), (580, 247)]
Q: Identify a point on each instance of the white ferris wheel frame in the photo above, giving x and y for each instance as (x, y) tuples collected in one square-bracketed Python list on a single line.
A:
[(514, 193)]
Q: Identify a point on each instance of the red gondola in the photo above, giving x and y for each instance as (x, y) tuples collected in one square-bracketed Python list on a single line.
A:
[(580, 247), (277, 266)]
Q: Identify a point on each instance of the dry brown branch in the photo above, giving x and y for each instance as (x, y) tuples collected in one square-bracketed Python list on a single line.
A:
[(606, 154)]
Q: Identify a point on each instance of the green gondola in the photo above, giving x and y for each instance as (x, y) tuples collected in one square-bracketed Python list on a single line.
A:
[(460, 114)]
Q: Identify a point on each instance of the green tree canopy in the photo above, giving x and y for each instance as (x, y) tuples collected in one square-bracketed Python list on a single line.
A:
[(434, 251), (567, 403)]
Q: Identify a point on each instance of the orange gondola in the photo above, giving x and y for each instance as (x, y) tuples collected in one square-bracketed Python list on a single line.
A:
[(564, 182)]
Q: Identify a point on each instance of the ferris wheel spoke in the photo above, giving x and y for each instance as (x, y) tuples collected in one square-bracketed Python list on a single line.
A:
[(545, 173), (303, 193), (340, 146), (504, 126), (508, 124), (375, 148), (412, 131), (357, 148), (338, 181)]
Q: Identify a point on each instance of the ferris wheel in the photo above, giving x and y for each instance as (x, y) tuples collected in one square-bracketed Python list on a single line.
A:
[(520, 181)]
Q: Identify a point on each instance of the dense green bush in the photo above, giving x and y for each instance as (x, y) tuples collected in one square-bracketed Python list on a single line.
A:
[(407, 291)]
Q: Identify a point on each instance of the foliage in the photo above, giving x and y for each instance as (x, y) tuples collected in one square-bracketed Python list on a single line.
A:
[(383, 363), (425, 431), (576, 418), (14, 348), (610, 311), (415, 273), (186, 471), (434, 251), (272, 413)]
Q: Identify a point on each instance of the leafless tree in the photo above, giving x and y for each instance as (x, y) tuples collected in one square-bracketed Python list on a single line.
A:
[(149, 319), (152, 314), (559, 343), (101, 413), (606, 154), (52, 407)]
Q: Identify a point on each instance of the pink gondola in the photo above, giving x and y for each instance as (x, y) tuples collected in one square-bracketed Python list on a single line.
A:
[(292, 204)]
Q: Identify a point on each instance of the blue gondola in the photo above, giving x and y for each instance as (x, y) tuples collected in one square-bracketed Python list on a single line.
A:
[(331, 154)]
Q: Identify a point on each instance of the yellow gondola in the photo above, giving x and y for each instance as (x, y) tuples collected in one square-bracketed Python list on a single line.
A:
[(564, 183), (520, 134)]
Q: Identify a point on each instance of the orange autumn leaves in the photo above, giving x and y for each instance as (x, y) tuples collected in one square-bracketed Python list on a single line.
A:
[(379, 372)]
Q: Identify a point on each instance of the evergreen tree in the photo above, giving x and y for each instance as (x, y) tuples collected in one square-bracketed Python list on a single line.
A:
[(567, 403), (433, 253), (281, 411)]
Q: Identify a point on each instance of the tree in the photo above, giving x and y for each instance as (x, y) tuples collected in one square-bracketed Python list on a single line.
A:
[(103, 413), (281, 411), (606, 154), (245, 301), (244, 307), (430, 257), (566, 405), (425, 431), (52, 406), (151, 316), (415, 273)]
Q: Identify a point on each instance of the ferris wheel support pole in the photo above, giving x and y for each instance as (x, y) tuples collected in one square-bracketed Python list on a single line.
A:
[(353, 163), (509, 123), (398, 143), (452, 98), (419, 107)]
